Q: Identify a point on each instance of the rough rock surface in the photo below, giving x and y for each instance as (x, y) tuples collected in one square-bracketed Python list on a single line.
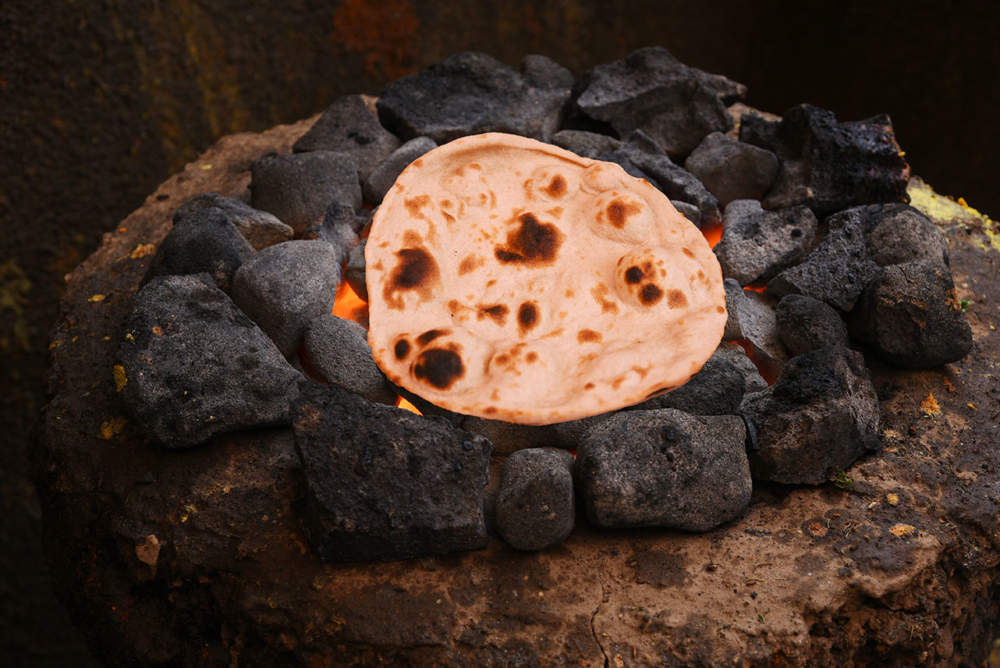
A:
[(587, 144), (912, 316), (535, 508), (826, 165), (382, 483), (202, 241), (895, 233), (354, 270), (286, 287), (652, 91), (664, 468), (806, 324), (509, 437), (347, 126), (299, 188), (260, 228), (731, 169), (752, 318), (381, 178), (339, 350), (757, 244), (339, 228), (819, 417), (468, 93), (206, 552), (191, 365)]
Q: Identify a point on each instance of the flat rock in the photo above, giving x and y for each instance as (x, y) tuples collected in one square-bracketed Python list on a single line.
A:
[(284, 288), (193, 365), (819, 417), (717, 389), (912, 317), (805, 324), (338, 349), (347, 126), (752, 318), (260, 228), (382, 483), (652, 91), (732, 169), (757, 244), (202, 240), (584, 143), (469, 93), (299, 188), (535, 508), (826, 165), (381, 178), (664, 468)]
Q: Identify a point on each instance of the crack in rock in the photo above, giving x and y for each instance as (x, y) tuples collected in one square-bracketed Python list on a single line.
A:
[(593, 629)]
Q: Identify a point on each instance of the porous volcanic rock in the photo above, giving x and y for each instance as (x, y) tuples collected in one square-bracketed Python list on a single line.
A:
[(509, 437), (751, 318), (469, 93), (664, 468), (339, 350), (260, 228), (806, 324), (587, 144), (894, 233), (819, 417), (354, 270), (757, 244), (348, 126), (826, 165), (193, 365), (732, 169), (383, 483), (339, 228), (381, 178), (652, 91), (535, 507)]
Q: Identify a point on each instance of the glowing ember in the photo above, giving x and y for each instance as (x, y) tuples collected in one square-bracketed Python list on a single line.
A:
[(712, 233), (348, 305), (406, 405)]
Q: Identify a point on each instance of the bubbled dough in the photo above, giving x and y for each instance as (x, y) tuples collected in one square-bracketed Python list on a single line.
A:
[(514, 280)]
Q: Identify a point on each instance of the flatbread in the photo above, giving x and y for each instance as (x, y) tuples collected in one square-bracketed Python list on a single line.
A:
[(514, 280)]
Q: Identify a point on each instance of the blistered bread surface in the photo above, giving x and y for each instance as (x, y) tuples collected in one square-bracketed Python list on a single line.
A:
[(514, 280)]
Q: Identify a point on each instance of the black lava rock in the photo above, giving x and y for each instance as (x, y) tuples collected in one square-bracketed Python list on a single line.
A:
[(757, 244), (895, 233), (652, 91), (286, 287), (260, 228), (203, 240), (300, 188), (819, 417), (689, 211), (384, 174), (836, 272), (382, 483), (717, 389), (354, 270), (194, 365), (543, 72), (339, 228), (805, 324), (509, 437), (664, 468), (468, 93), (347, 126), (535, 508), (751, 318), (731, 169), (912, 317), (586, 144), (338, 349), (826, 165), (571, 433)]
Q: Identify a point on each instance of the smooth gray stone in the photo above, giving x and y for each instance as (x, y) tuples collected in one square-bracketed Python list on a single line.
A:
[(339, 350), (535, 507), (386, 172), (731, 169)]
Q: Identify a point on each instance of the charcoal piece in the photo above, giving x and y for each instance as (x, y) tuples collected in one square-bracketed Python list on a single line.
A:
[(382, 483), (543, 72), (586, 144), (195, 365), (731, 169), (895, 233), (260, 228), (354, 270), (689, 211), (836, 272), (337, 228), (535, 507), (652, 91), (664, 468), (384, 174), (508, 437), (805, 324), (286, 287), (717, 389), (751, 318), (299, 188), (912, 317), (826, 165), (202, 241), (468, 93), (338, 349), (348, 126), (675, 182), (819, 417), (757, 244)]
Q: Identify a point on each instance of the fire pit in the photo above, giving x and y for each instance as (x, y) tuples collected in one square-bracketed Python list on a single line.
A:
[(195, 514)]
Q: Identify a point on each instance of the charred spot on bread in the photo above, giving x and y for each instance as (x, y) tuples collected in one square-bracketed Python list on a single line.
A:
[(557, 187), (650, 294), (677, 299), (430, 335), (633, 275), (533, 243), (588, 336), (527, 316), (401, 349), (439, 367), (496, 312)]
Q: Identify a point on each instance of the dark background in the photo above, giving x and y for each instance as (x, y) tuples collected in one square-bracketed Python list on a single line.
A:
[(100, 100)]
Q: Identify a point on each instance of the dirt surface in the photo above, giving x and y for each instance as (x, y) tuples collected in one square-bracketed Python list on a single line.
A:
[(198, 557)]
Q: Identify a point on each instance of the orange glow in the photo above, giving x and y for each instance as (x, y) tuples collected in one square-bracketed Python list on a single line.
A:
[(348, 305), (406, 405), (755, 287), (712, 232), (768, 368)]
